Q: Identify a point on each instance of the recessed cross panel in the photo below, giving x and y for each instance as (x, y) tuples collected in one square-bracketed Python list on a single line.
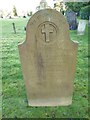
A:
[(47, 29)]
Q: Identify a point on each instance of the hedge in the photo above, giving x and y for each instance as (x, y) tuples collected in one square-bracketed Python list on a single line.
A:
[(85, 12)]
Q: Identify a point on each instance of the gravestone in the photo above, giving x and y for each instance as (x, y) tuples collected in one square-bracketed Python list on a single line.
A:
[(48, 59), (71, 19), (81, 27)]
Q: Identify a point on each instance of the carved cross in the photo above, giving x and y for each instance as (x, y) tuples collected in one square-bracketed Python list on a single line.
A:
[(47, 29)]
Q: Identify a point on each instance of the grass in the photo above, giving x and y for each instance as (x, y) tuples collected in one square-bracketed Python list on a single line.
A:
[(14, 99)]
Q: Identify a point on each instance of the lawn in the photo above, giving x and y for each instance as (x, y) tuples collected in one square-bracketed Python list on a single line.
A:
[(14, 99)]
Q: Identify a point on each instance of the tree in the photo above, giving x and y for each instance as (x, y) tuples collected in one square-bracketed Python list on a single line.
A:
[(76, 6), (14, 11), (85, 12)]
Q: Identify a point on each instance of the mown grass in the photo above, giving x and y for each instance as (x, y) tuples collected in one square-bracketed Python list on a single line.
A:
[(14, 99)]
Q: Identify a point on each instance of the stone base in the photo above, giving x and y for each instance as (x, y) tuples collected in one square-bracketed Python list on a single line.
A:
[(50, 102), (80, 33)]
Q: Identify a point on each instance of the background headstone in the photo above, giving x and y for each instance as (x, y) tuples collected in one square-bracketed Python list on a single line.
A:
[(71, 19), (81, 27), (48, 59), (89, 21)]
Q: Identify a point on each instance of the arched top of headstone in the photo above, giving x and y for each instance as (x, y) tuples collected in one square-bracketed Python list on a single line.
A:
[(47, 26)]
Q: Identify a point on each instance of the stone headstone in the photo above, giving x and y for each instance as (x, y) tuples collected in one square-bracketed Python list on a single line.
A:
[(48, 59), (71, 19), (81, 27)]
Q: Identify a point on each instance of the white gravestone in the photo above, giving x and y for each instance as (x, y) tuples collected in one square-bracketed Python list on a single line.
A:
[(81, 27)]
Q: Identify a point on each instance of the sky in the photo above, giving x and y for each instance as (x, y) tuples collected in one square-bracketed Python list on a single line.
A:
[(25, 5)]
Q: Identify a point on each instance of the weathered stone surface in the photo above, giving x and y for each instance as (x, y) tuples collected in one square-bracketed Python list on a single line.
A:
[(48, 59), (81, 27)]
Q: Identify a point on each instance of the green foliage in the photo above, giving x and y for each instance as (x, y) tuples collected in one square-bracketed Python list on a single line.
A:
[(14, 11), (85, 12), (76, 6), (14, 102)]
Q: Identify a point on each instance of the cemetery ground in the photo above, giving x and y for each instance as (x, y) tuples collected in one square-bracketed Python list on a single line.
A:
[(14, 99)]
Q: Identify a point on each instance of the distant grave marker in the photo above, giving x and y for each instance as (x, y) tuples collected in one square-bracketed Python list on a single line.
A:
[(71, 19), (25, 28), (48, 59), (81, 27), (14, 28)]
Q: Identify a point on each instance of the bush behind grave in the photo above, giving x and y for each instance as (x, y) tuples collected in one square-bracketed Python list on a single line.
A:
[(85, 12)]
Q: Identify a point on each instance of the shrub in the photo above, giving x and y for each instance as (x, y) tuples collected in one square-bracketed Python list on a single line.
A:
[(85, 12)]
